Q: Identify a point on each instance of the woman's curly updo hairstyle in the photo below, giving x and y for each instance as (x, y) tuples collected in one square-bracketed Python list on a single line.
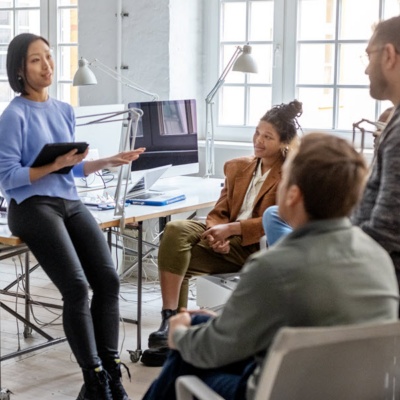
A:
[(284, 118)]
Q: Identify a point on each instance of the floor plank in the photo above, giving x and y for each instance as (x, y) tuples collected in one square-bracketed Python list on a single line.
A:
[(52, 372)]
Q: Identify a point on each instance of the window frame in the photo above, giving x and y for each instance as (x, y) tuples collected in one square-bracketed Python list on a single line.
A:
[(49, 25), (284, 85)]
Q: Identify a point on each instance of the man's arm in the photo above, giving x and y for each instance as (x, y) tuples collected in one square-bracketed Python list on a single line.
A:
[(383, 221), (249, 320)]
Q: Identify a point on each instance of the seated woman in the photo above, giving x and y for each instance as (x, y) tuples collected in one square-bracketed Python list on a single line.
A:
[(275, 227), (233, 228)]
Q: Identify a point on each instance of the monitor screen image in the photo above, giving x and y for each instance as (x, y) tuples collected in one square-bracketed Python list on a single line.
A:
[(168, 130)]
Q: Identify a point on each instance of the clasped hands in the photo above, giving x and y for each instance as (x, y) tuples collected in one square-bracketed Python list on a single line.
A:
[(216, 238)]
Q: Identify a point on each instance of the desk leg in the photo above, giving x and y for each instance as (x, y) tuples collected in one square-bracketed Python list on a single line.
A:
[(139, 295), (27, 329), (109, 238), (136, 354), (162, 221)]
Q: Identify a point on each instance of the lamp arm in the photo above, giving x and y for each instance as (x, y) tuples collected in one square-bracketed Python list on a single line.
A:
[(106, 117), (221, 79), (210, 166), (129, 140), (214, 90), (121, 79)]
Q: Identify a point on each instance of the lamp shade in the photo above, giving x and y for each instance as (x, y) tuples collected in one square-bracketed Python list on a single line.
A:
[(84, 75), (245, 62)]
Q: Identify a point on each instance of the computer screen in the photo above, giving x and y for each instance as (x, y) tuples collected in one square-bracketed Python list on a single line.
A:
[(168, 130)]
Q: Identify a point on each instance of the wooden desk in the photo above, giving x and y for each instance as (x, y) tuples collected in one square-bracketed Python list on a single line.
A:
[(7, 238), (200, 193)]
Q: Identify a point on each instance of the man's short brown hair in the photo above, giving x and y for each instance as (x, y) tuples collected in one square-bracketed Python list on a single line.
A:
[(387, 31), (330, 174)]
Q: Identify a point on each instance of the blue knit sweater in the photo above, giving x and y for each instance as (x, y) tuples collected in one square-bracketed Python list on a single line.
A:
[(25, 127)]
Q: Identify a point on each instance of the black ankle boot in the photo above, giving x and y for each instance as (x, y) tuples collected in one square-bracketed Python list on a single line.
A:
[(114, 369), (160, 337), (155, 357), (96, 385)]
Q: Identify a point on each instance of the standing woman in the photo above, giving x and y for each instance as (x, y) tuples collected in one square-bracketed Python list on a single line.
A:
[(44, 210)]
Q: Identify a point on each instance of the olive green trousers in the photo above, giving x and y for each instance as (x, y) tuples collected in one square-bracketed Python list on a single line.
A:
[(182, 252)]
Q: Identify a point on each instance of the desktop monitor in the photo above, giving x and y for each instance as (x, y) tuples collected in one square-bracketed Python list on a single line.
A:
[(168, 130)]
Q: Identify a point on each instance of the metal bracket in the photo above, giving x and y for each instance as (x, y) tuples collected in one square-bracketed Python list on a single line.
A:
[(5, 394)]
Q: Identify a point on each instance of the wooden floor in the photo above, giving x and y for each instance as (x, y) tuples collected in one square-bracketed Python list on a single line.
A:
[(52, 372)]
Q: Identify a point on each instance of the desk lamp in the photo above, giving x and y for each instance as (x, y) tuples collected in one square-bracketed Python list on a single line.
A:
[(128, 143), (85, 76), (242, 61)]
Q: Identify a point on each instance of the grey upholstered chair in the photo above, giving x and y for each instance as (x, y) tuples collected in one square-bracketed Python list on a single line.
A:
[(357, 362)]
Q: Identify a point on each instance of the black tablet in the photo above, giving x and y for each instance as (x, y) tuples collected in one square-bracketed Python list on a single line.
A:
[(51, 151)]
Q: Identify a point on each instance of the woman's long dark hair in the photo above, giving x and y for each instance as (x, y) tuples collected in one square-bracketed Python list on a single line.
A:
[(16, 60)]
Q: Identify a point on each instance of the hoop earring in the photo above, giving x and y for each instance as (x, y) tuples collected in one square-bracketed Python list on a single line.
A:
[(284, 151)]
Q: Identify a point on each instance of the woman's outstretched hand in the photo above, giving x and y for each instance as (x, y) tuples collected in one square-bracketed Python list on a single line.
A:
[(122, 158)]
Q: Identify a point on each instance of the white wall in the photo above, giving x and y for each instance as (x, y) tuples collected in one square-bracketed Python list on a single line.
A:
[(162, 43)]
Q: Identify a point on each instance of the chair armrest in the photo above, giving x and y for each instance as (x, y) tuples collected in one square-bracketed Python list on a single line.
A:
[(189, 385), (263, 242)]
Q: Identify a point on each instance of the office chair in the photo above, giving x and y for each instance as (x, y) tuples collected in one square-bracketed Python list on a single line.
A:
[(330, 363)]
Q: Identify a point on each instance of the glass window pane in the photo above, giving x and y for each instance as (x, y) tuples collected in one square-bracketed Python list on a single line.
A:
[(234, 21), (392, 8), (68, 26), (27, 3), (261, 20), (6, 26), (67, 62), (351, 67), (28, 21), (315, 64), (356, 21), (6, 3), (6, 95), (259, 103), (317, 108), (227, 52), (67, 2), (3, 58), (68, 93), (354, 104), (316, 19), (231, 106), (262, 55)]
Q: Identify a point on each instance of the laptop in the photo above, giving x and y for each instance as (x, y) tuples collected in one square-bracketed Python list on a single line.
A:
[(144, 181), (140, 183)]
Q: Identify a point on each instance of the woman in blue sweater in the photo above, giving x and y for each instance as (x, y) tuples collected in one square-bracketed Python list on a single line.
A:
[(44, 210)]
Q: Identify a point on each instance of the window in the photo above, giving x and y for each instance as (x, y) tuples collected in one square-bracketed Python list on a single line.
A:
[(67, 47), (55, 20), (305, 49), (330, 77)]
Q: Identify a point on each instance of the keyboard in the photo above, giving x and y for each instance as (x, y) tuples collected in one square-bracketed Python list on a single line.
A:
[(102, 202)]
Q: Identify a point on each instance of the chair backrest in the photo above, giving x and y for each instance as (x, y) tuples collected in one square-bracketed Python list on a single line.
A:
[(358, 362)]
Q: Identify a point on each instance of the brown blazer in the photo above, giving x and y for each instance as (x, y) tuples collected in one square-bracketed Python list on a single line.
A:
[(238, 175)]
